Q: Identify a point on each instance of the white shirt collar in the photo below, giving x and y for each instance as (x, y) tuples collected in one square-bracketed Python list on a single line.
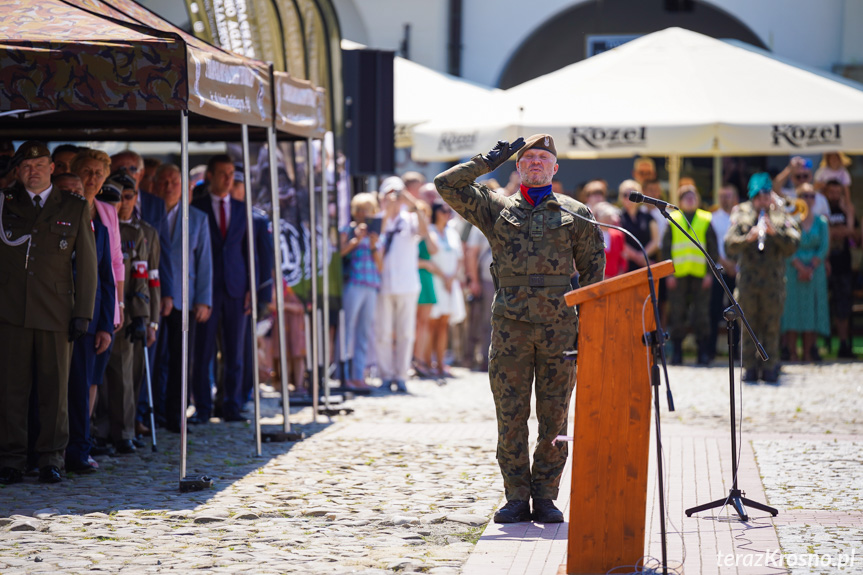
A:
[(44, 195)]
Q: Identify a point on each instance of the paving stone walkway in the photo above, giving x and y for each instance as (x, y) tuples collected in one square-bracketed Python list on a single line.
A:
[(408, 483)]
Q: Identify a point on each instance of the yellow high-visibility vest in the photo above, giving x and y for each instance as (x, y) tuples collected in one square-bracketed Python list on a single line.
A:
[(688, 259)]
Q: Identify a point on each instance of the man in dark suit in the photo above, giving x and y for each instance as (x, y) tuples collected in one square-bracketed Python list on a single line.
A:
[(43, 309), (230, 294)]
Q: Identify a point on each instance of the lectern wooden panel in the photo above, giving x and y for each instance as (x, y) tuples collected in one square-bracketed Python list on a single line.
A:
[(612, 422)]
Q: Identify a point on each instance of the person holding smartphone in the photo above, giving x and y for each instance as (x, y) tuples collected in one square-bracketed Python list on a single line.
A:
[(363, 262)]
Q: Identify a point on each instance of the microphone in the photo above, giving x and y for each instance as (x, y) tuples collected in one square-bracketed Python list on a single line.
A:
[(660, 335), (639, 198)]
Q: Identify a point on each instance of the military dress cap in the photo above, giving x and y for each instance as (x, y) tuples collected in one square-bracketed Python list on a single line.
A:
[(31, 150), (539, 142), (760, 183), (112, 189)]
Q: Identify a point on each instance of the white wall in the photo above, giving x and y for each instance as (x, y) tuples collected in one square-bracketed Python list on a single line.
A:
[(801, 30), (817, 33), (384, 20)]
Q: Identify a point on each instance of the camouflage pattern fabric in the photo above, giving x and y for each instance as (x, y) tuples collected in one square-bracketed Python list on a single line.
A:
[(519, 352), (527, 240), (55, 56), (531, 326), (761, 279)]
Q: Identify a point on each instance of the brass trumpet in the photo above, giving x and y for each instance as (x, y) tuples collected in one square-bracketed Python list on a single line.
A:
[(797, 209)]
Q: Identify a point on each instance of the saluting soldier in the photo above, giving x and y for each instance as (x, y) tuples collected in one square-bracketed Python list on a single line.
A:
[(43, 308), (536, 247), (119, 375), (760, 237)]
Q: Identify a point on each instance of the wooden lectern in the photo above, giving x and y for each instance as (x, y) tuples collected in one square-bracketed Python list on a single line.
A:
[(611, 442)]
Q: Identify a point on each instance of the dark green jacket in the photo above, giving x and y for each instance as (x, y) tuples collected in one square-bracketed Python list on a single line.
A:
[(43, 295)]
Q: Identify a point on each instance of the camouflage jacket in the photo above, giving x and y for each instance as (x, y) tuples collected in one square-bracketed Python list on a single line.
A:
[(135, 260), (525, 241), (766, 266)]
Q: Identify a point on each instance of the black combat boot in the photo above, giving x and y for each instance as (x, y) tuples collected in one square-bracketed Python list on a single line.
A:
[(514, 511), (677, 352), (750, 376), (704, 356), (544, 511)]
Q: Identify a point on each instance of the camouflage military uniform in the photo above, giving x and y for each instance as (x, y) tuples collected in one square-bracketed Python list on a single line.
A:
[(119, 377), (761, 279), (151, 238), (533, 250)]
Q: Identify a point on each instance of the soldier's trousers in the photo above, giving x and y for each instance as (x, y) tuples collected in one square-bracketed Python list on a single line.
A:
[(520, 354), (763, 306), (33, 356), (120, 388), (689, 307)]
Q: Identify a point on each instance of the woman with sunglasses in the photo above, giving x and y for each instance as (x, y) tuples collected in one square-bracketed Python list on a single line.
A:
[(806, 309)]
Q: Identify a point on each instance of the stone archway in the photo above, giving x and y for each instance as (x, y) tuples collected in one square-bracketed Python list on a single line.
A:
[(561, 40)]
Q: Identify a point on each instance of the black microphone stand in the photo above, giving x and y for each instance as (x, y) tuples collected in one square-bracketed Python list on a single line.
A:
[(656, 341), (732, 314)]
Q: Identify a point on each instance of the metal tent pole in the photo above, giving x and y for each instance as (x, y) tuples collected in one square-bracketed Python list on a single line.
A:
[(285, 434), (673, 177), (325, 252), (186, 483), (253, 291), (313, 240)]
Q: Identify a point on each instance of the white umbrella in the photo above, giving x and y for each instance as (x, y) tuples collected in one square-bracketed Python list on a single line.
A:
[(673, 92), (422, 94)]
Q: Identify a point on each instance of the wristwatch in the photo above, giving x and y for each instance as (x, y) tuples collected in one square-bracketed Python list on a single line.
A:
[(154, 325)]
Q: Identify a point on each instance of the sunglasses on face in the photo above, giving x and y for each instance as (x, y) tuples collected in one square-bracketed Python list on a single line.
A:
[(807, 196), (801, 177), (128, 197)]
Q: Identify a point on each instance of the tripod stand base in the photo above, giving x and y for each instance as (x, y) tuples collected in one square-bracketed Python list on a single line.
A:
[(282, 436), (735, 499), (196, 483)]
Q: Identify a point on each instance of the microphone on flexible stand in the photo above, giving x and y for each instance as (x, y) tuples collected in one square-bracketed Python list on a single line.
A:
[(555, 205), (639, 198)]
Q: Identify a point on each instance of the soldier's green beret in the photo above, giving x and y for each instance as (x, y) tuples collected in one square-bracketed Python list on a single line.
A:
[(760, 183), (31, 150), (538, 141)]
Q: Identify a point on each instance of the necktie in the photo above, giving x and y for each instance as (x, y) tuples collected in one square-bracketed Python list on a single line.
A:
[(223, 223), (37, 201)]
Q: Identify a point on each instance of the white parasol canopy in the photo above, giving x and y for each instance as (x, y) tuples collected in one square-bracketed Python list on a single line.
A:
[(422, 94), (673, 92)]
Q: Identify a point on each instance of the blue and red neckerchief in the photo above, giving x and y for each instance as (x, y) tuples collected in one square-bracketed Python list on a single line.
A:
[(533, 196)]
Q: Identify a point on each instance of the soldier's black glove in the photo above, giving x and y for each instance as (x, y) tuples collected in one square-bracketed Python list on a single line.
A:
[(78, 327), (501, 153), (137, 330)]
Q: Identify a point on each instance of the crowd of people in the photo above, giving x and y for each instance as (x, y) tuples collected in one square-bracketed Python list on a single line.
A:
[(406, 252), (418, 287), (75, 361)]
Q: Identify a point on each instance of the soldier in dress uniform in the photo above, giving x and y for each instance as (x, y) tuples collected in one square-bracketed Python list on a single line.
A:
[(760, 237), (119, 375), (536, 247), (43, 309)]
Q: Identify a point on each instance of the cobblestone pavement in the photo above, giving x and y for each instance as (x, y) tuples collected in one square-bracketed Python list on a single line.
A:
[(807, 440), (407, 483)]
